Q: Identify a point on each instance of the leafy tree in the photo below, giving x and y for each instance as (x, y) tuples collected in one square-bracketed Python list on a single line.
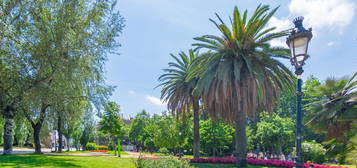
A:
[(240, 74), (274, 134), (74, 130), (149, 133), (217, 137), (1, 130), (309, 89), (18, 78), (89, 125), (178, 91), (286, 105), (167, 135), (137, 131), (21, 131), (46, 63), (71, 125), (111, 122)]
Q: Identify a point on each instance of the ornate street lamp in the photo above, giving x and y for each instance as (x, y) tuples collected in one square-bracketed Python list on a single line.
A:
[(298, 42)]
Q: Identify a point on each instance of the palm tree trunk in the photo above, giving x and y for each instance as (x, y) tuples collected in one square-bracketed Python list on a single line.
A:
[(241, 140), (240, 133), (196, 129), (9, 121)]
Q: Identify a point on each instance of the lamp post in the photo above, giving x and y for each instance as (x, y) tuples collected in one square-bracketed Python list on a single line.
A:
[(298, 42)]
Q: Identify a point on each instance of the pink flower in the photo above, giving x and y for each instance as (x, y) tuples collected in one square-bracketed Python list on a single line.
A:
[(258, 162)]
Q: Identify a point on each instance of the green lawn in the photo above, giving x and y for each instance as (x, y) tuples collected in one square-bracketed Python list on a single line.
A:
[(55, 161), (58, 161), (51, 161)]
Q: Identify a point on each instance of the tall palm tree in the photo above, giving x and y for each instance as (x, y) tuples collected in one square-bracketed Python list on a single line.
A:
[(177, 91), (240, 74), (336, 112)]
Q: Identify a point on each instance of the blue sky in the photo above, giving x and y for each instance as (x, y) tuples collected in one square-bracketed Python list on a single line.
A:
[(155, 28)]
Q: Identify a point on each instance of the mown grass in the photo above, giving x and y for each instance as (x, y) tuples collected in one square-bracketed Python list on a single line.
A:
[(67, 161), (58, 161), (349, 166)]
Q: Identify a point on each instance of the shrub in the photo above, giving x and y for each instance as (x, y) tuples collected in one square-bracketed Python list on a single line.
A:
[(90, 146), (312, 151), (161, 162), (101, 147), (163, 150)]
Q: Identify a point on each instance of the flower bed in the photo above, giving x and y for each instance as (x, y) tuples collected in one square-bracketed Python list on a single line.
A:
[(99, 150), (258, 162)]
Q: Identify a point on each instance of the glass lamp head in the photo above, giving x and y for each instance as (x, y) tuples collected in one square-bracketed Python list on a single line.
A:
[(298, 42)]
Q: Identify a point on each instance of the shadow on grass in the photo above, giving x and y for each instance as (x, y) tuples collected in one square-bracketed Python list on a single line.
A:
[(35, 161)]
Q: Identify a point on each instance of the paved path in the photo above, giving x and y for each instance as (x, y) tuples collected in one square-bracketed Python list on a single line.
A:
[(47, 151), (23, 151), (136, 155), (82, 154)]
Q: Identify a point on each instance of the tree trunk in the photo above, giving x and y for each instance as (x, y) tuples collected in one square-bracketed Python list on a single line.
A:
[(59, 125), (240, 133), (36, 137), (9, 121), (84, 148), (37, 127), (55, 141), (15, 141), (67, 144), (118, 148), (241, 139), (196, 129)]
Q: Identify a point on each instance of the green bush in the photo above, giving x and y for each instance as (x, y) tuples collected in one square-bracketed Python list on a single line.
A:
[(111, 147), (162, 162), (101, 147), (314, 152), (91, 146), (163, 150)]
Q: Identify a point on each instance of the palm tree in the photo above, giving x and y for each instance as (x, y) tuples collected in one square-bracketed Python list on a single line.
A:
[(177, 91), (336, 112), (240, 74)]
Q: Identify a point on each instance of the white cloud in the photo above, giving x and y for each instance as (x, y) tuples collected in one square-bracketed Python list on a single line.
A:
[(318, 14), (155, 100), (280, 24), (324, 13), (331, 43), (278, 43)]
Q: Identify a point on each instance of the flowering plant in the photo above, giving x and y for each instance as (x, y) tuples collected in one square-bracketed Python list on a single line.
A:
[(99, 150), (258, 162)]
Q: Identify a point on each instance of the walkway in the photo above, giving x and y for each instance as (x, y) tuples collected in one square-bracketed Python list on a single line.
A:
[(24, 151), (47, 151)]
